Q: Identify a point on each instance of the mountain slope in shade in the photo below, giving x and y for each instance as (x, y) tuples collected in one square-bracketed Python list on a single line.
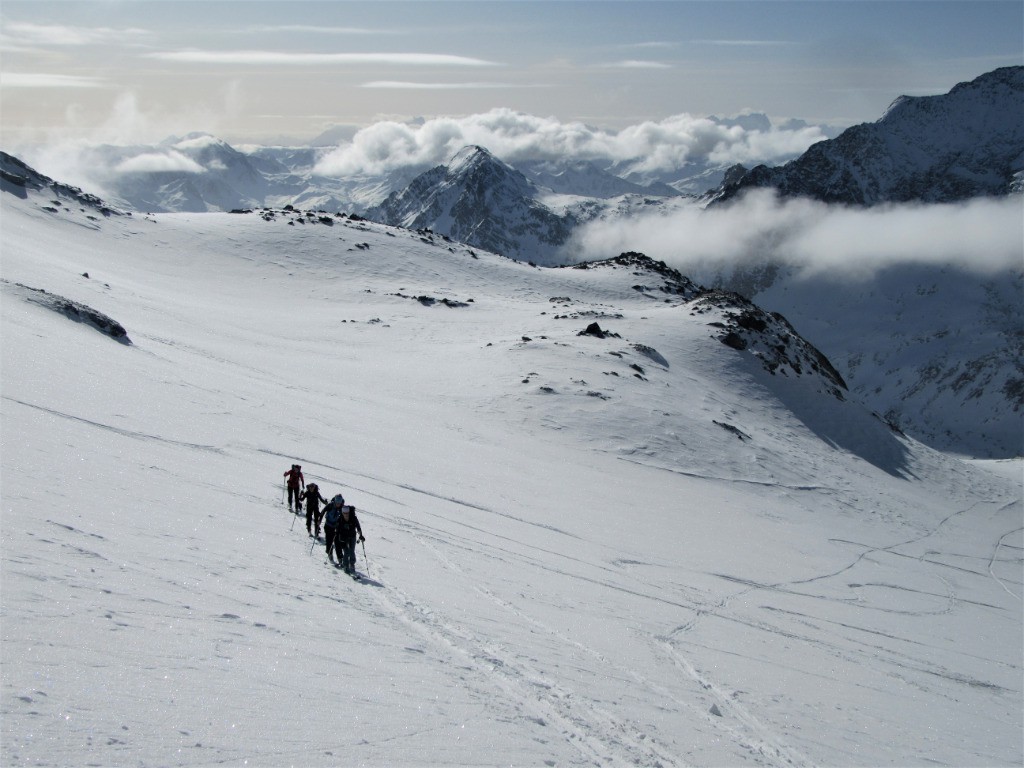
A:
[(966, 143), (938, 352)]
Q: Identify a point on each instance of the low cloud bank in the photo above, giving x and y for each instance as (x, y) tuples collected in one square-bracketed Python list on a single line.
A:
[(984, 235), (648, 147), (156, 162)]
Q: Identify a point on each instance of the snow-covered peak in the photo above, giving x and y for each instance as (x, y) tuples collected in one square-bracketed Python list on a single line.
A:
[(470, 158), (480, 200)]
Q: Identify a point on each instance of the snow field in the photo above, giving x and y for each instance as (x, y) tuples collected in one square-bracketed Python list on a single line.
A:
[(553, 577)]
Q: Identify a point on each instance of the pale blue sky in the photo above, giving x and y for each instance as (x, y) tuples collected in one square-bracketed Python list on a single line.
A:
[(253, 71)]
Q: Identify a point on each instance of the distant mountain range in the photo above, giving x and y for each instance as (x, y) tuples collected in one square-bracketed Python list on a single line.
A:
[(937, 350), (200, 172), (964, 144)]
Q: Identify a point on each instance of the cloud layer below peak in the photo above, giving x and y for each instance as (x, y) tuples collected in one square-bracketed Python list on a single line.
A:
[(985, 235), (650, 147)]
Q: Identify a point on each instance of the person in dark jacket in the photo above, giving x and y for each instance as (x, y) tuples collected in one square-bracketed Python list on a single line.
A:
[(345, 538), (332, 514), (295, 479), (313, 501)]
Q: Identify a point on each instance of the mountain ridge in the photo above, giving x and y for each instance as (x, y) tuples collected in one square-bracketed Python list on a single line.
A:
[(966, 143)]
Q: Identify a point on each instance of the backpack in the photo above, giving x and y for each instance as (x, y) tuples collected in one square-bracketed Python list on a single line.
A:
[(333, 511)]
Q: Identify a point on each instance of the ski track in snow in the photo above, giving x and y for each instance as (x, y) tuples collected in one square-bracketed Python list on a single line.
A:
[(600, 736), (595, 731)]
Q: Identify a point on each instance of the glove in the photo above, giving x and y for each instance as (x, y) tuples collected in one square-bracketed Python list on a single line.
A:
[(362, 538)]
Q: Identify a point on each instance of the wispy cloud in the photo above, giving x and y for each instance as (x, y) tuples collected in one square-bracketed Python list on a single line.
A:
[(637, 64), (43, 80), (747, 43), (308, 59), (399, 85), (325, 30), (25, 33), (653, 44)]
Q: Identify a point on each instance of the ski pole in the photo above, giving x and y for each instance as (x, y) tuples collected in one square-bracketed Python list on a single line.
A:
[(293, 522), (363, 542)]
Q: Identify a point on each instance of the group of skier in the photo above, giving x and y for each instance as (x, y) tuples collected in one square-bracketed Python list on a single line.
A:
[(341, 526)]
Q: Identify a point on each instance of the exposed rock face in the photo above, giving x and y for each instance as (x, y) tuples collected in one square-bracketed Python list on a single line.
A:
[(769, 337), (73, 310), (19, 179)]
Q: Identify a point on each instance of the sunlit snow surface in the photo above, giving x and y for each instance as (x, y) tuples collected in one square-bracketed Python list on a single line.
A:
[(569, 561)]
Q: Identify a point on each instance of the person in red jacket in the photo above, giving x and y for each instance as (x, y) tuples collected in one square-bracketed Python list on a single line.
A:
[(295, 480)]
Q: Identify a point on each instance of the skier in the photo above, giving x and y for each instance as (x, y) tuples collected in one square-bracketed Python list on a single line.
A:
[(313, 500), (295, 478), (345, 538), (331, 515)]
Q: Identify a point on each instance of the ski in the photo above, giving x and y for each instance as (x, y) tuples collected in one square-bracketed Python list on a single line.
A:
[(356, 576)]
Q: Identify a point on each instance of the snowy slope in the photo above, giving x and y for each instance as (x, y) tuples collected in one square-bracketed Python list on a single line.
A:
[(639, 548)]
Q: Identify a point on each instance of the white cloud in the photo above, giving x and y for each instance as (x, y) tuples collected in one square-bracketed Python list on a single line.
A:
[(68, 152), (984, 235), (325, 30), (43, 80), (637, 64), (400, 85), (306, 59), (746, 43), (198, 142), (61, 35), (650, 146), (152, 162)]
